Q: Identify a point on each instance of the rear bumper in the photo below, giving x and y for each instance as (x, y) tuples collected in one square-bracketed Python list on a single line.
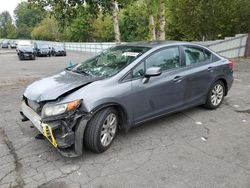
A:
[(61, 136)]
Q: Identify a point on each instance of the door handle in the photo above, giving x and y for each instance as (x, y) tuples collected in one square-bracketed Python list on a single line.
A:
[(210, 69), (178, 79)]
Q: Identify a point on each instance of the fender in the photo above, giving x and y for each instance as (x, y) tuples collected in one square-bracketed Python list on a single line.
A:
[(127, 117), (79, 133)]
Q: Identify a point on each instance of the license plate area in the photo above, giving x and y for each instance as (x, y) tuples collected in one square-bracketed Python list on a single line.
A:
[(32, 116), (43, 128)]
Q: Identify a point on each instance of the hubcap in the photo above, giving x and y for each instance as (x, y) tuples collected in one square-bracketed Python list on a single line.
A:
[(108, 129), (217, 95)]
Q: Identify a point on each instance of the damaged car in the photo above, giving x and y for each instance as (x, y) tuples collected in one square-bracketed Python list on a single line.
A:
[(58, 50), (124, 86), (25, 50)]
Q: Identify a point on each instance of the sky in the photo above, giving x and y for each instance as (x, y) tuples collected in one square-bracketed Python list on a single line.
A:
[(9, 5)]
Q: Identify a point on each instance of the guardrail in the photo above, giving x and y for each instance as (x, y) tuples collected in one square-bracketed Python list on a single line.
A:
[(230, 47)]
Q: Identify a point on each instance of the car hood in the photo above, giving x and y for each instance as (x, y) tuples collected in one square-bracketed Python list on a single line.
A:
[(51, 88), (26, 49)]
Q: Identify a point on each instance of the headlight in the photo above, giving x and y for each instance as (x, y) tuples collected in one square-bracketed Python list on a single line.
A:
[(60, 108)]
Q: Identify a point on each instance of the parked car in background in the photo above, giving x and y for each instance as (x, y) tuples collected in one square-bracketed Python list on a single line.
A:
[(122, 87), (25, 50), (5, 44), (42, 49), (58, 50), (13, 44)]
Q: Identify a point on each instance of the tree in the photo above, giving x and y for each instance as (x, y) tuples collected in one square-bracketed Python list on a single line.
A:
[(161, 20), (46, 30), (27, 18), (80, 28), (156, 28), (103, 29), (116, 22), (64, 11), (134, 22), (6, 26)]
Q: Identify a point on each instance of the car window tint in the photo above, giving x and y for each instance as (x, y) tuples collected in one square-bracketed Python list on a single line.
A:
[(165, 59), (194, 55), (138, 71)]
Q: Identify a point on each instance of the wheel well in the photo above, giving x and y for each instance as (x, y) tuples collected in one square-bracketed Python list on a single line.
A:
[(225, 84), (122, 113)]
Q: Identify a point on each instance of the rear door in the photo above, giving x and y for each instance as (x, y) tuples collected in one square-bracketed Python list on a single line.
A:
[(199, 72), (160, 94)]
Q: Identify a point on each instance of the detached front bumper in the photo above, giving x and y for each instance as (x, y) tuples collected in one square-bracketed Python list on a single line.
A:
[(59, 135)]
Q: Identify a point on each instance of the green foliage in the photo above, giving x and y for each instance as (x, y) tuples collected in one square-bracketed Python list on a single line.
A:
[(211, 19), (134, 23), (46, 30), (27, 18), (103, 28), (7, 29), (80, 28), (91, 20)]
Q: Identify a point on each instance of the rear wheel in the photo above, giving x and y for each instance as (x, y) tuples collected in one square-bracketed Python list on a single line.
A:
[(101, 130), (216, 95)]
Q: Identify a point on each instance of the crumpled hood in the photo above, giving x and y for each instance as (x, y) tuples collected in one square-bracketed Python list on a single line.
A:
[(51, 88), (26, 49)]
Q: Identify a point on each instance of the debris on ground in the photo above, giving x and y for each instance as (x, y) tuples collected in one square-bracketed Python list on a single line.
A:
[(198, 123), (204, 138)]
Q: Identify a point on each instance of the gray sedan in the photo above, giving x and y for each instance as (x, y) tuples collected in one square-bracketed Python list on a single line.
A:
[(87, 103)]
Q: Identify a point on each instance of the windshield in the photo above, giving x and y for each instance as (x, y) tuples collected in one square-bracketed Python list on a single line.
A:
[(43, 46), (58, 47), (25, 45), (110, 61)]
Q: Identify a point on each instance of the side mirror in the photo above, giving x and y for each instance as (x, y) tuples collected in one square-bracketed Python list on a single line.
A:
[(151, 72)]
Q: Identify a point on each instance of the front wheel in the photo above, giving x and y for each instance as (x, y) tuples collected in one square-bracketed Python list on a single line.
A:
[(216, 95), (101, 130)]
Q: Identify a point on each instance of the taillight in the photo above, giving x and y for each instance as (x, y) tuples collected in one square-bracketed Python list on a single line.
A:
[(230, 64)]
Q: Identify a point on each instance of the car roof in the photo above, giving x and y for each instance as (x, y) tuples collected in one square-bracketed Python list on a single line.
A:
[(153, 44)]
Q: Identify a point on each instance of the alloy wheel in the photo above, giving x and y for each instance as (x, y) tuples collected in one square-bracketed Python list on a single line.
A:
[(217, 94), (108, 129)]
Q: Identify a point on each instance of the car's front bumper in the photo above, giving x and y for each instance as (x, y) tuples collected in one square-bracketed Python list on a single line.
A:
[(27, 55), (60, 53), (62, 139)]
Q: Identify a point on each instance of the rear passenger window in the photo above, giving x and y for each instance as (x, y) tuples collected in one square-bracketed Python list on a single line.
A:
[(166, 59), (194, 55)]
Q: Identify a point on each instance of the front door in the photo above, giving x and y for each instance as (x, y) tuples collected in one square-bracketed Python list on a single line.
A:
[(161, 94)]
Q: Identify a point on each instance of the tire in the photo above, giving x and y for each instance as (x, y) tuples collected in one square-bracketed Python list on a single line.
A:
[(20, 57), (215, 95), (99, 126), (33, 57)]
